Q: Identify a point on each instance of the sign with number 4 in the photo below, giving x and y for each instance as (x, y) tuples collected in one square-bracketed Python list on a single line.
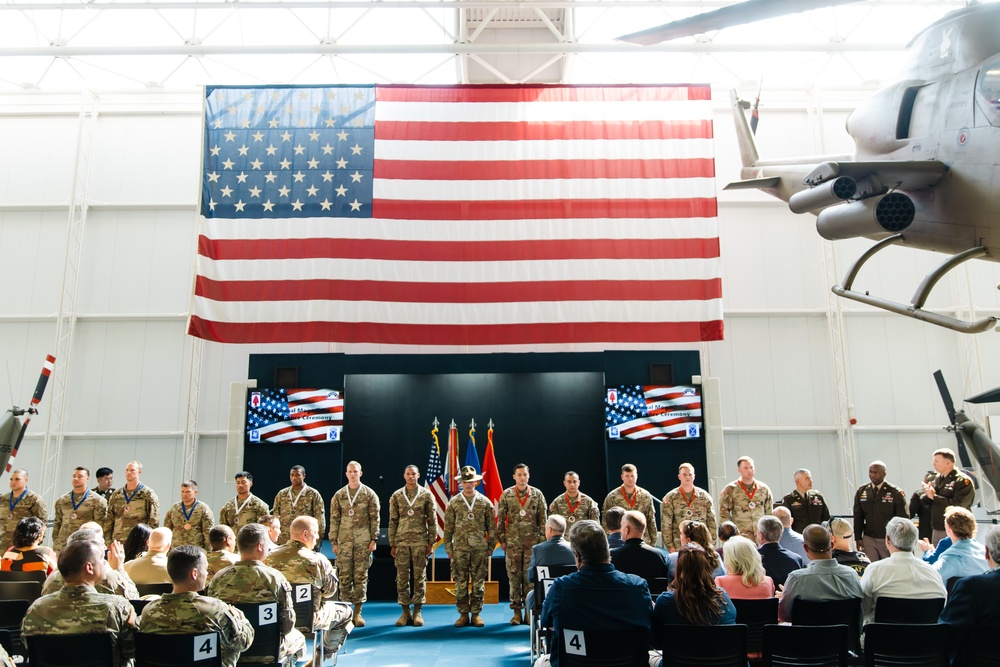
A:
[(205, 647), (574, 642)]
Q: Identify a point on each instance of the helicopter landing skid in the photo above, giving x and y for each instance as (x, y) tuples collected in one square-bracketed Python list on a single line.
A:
[(915, 309)]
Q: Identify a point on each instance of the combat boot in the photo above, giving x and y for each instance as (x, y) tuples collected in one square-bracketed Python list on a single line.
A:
[(517, 620), (463, 620), (418, 618), (477, 620), (358, 620), (404, 618)]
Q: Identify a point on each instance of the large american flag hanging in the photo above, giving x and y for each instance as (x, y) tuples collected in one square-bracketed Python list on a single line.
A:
[(495, 216)]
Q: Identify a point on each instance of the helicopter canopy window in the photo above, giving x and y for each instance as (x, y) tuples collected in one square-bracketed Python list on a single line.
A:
[(988, 91)]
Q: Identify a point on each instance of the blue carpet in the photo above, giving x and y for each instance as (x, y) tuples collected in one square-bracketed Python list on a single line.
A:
[(381, 644)]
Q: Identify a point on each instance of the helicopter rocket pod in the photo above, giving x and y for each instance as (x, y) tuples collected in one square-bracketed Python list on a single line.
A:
[(11, 428)]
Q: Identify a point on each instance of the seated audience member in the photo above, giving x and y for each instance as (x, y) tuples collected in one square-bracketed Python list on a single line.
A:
[(790, 539), (727, 531), (614, 521), (596, 597), (78, 608), (115, 581), (28, 554), (137, 542), (975, 600), (151, 567), (635, 556), (931, 552), (901, 575), (823, 579), (745, 578), (250, 580), (693, 597), (553, 551), (223, 542), (299, 562), (273, 525), (696, 532), (778, 561), (965, 556), (843, 549), (184, 611)]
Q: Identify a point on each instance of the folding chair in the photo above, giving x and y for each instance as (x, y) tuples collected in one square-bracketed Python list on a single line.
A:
[(805, 645), (154, 589), (579, 648), (263, 616), (832, 612), (20, 590), (755, 614), (16, 575), (536, 633), (192, 650), (907, 611), (906, 645), (703, 645), (11, 614), (88, 650)]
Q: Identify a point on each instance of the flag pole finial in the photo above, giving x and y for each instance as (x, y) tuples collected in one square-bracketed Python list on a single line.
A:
[(472, 424), (436, 422), (453, 424), (490, 425)]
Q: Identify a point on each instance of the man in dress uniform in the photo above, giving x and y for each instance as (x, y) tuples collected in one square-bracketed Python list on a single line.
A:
[(105, 482), (298, 561), (574, 505), (628, 496), (806, 505), (299, 499), (184, 611), (686, 502), (470, 533), (76, 508), (190, 520), (745, 500), (21, 503), (949, 487), (874, 504), (79, 609), (520, 526), (250, 580), (245, 508), (412, 532), (132, 504), (354, 524), (222, 540)]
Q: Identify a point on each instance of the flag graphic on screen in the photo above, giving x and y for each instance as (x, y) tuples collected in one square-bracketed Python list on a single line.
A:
[(295, 415), (428, 216), (434, 480), (652, 413)]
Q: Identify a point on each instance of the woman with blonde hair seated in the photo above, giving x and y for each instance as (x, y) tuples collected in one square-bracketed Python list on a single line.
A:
[(745, 578)]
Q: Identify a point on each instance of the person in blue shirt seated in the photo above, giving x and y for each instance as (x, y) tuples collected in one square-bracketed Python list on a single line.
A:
[(693, 597), (965, 556)]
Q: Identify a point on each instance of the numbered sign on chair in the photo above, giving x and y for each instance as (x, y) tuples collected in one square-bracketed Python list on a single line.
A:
[(542, 571), (547, 583), (303, 592), (574, 642), (205, 647), (268, 614)]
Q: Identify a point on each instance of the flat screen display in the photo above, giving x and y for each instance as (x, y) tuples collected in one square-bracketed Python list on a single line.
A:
[(636, 412), (292, 416)]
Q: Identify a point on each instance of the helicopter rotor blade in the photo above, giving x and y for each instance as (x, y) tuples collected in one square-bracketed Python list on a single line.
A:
[(36, 398), (949, 406)]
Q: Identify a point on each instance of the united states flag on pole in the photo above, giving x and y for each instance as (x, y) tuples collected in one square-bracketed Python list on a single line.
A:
[(497, 216), (434, 480)]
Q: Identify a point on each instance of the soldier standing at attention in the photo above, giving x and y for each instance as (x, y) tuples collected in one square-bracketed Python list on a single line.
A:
[(806, 505), (628, 496), (354, 524), (105, 480), (574, 505), (185, 611), (21, 503), (190, 520), (949, 487), (685, 503), (470, 533), (132, 504), (76, 508), (521, 519), (412, 532), (874, 504), (299, 499), (745, 500), (245, 508)]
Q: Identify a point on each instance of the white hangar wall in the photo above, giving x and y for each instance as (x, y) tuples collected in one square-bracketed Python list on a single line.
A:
[(785, 366)]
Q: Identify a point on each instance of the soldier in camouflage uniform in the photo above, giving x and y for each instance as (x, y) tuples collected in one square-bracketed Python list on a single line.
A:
[(520, 526), (300, 564), (685, 503), (245, 508), (745, 500), (132, 504), (299, 499), (21, 503), (76, 508), (412, 533), (470, 534), (573, 505), (250, 580), (354, 523), (115, 581), (190, 520), (78, 608), (184, 611), (628, 496), (223, 542)]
